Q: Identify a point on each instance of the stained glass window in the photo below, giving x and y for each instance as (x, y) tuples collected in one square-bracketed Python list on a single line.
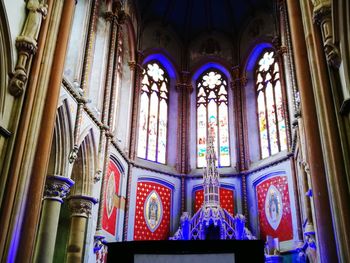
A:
[(212, 115), (153, 117), (272, 124)]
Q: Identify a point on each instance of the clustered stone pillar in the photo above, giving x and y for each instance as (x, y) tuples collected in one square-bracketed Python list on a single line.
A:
[(80, 207), (56, 189), (324, 229)]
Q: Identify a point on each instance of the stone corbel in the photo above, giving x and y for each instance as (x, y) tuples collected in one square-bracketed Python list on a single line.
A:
[(322, 16), (73, 154), (26, 44), (97, 176)]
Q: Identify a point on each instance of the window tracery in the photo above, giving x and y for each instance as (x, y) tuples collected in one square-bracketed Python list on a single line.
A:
[(212, 113), (271, 116), (153, 117)]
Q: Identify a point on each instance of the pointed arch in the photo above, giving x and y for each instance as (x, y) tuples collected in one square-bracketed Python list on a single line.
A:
[(62, 141), (84, 166), (212, 83), (158, 71), (5, 67)]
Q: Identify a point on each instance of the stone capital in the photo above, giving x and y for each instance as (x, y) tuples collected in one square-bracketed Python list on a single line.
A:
[(81, 205), (132, 65), (239, 78), (57, 187)]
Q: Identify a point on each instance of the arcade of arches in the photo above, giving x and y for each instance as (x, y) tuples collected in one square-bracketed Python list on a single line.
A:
[(106, 107)]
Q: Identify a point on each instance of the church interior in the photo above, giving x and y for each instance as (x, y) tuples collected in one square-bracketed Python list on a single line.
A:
[(150, 120)]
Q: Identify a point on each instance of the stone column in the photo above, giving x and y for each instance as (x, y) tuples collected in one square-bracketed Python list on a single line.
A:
[(324, 228), (326, 88), (136, 102), (80, 207), (56, 189), (239, 81), (184, 89), (42, 121)]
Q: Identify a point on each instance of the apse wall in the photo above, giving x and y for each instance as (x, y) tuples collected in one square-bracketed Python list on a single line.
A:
[(269, 187), (148, 189)]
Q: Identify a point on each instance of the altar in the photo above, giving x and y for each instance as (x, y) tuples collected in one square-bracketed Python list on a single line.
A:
[(187, 251)]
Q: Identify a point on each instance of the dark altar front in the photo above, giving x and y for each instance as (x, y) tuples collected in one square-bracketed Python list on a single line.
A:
[(182, 251)]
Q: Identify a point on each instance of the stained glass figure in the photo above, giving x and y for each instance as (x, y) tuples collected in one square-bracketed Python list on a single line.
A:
[(212, 114), (153, 115), (272, 124)]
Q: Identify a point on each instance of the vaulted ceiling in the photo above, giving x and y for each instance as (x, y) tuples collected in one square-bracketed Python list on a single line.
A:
[(192, 17)]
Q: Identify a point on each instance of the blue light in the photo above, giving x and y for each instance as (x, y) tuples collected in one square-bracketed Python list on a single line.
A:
[(255, 54), (208, 66), (164, 61)]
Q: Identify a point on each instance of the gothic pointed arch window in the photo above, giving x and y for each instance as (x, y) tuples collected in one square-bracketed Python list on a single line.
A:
[(153, 115), (212, 113), (271, 115)]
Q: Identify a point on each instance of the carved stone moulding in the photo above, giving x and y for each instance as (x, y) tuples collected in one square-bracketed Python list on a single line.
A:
[(57, 187), (81, 205)]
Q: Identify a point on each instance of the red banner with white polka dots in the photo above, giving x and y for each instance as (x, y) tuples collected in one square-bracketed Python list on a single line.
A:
[(274, 208), (226, 199), (149, 193)]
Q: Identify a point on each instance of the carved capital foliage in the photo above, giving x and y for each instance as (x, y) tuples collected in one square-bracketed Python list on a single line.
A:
[(81, 205), (57, 187), (26, 44)]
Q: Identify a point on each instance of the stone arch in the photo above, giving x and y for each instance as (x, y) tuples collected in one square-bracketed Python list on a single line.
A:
[(6, 100), (62, 142), (7, 57), (84, 166)]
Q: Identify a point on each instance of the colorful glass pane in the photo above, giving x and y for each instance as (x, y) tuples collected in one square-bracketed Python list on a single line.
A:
[(273, 137), (153, 127), (143, 126), (271, 117), (163, 109), (280, 116), (212, 114), (201, 135), (266, 61), (224, 142), (264, 143), (155, 72)]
